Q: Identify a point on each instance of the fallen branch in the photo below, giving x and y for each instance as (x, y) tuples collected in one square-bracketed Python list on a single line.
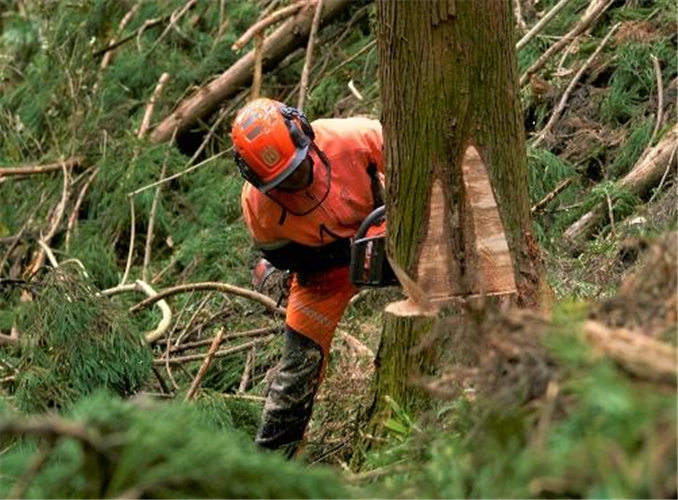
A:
[(105, 61), (55, 221), (141, 286), (303, 83), (249, 366), (266, 301), (74, 162), (660, 98), (640, 355), (73, 218), (642, 177), (290, 35), (541, 204), (205, 365), (563, 101), (8, 339), (594, 11), (542, 22), (173, 19), (146, 121), (258, 62), (132, 237), (259, 332), (219, 354), (261, 25)]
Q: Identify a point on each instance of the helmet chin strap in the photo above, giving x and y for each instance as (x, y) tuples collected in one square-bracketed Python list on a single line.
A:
[(326, 162)]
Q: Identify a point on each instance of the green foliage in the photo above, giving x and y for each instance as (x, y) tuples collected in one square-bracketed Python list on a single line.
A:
[(633, 79), (75, 343), (163, 451), (633, 147)]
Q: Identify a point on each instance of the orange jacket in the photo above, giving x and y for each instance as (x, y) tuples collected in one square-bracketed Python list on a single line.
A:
[(351, 145)]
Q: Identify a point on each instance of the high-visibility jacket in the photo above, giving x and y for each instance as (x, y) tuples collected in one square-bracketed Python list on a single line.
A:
[(318, 242)]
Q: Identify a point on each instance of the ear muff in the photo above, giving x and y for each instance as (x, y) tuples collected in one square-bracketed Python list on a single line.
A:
[(291, 114)]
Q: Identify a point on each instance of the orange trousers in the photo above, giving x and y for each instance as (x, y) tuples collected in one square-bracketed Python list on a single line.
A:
[(315, 308)]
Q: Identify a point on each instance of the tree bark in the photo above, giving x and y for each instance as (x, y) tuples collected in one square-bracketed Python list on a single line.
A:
[(642, 177), (458, 207), (289, 36)]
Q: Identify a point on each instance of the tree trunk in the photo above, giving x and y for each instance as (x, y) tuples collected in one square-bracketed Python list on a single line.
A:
[(458, 208)]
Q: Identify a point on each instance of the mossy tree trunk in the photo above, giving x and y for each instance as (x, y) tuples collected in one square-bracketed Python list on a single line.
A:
[(458, 207)]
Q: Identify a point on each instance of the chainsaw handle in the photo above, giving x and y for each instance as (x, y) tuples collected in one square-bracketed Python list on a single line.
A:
[(376, 214)]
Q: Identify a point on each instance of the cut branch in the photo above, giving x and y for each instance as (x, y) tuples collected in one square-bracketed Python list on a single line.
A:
[(660, 98), (549, 197)]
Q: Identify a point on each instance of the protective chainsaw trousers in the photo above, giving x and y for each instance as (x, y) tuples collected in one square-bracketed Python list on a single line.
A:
[(317, 302), (289, 403)]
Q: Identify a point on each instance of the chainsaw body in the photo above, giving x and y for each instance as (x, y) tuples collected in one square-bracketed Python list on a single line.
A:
[(369, 264)]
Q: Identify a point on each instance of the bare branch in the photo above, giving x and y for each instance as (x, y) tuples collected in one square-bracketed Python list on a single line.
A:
[(660, 97), (146, 121), (563, 100), (211, 285), (595, 10), (261, 25), (74, 162), (539, 206), (132, 237), (205, 365), (218, 354), (542, 22), (309, 54), (73, 218)]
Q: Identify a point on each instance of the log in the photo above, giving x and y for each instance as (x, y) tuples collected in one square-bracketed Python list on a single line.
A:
[(643, 176), (640, 355), (74, 162), (290, 35)]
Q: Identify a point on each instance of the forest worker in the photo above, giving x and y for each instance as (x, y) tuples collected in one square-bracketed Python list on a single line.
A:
[(309, 186)]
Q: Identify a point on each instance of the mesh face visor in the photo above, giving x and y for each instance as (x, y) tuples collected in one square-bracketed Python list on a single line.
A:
[(306, 200)]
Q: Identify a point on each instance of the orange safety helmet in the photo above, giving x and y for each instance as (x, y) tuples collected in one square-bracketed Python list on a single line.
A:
[(270, 141)]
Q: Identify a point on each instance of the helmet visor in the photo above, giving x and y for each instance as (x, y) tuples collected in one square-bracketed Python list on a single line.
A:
[(303, 201)]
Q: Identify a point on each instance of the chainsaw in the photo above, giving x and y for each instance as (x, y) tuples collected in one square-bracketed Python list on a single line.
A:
[(369, 265)]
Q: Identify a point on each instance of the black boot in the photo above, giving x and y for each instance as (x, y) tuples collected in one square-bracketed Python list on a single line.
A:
[(290, 400)]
